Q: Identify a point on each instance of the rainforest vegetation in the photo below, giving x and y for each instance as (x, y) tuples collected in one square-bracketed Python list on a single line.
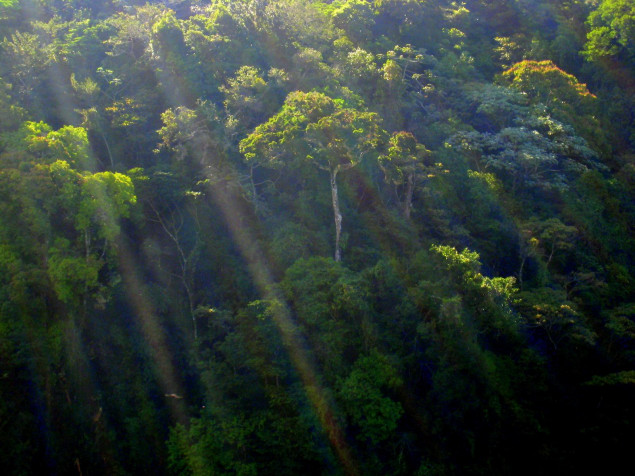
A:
[(317, 237)]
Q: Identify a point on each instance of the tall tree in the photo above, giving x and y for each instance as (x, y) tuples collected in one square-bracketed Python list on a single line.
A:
[(315, 129)]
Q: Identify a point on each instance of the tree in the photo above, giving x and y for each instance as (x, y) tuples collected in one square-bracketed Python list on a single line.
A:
[(364, 395), (544, 82), (25, 61), (565, 98), (550, 311), (220, 42), (68, 143), (187, 134), (554, 236), (403, 18), (172, 55), (404, 164), (295, 23), (405, 93), (309, 71), (524, 143), (355, 18), (132, 35), (94, 204), (250, 99), (330, 306), (359, 72), (612, 30), (315, 129)]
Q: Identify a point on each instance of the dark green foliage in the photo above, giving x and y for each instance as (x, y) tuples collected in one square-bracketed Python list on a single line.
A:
[(174, 178)]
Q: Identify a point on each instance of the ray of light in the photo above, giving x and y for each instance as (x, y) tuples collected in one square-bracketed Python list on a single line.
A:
[(86, 387), (83, 390), (153, 333), (243, 235), (292, 338)]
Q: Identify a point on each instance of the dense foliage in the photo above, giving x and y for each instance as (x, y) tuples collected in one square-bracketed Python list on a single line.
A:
[(383, 237)]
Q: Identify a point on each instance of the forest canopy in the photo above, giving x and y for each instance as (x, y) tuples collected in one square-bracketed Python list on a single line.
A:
[(330, 237)]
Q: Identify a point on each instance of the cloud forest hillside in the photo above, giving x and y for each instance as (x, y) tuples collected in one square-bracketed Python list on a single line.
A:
[(301, 237)]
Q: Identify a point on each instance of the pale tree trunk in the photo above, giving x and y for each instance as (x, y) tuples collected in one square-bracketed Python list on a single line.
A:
[(520, 272), (410, 188), (112, 161), (553, 249), (172, 228), (336, 213)]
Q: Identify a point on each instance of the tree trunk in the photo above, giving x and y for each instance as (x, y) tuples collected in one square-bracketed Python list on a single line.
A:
[(410, 188), (112, 161), (336, 213), (190, 303), (520, 272), (553, 249), (254, 192)]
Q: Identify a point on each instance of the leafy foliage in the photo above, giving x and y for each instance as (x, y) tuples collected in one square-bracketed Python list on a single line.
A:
[(316, 237), (612, 27)]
